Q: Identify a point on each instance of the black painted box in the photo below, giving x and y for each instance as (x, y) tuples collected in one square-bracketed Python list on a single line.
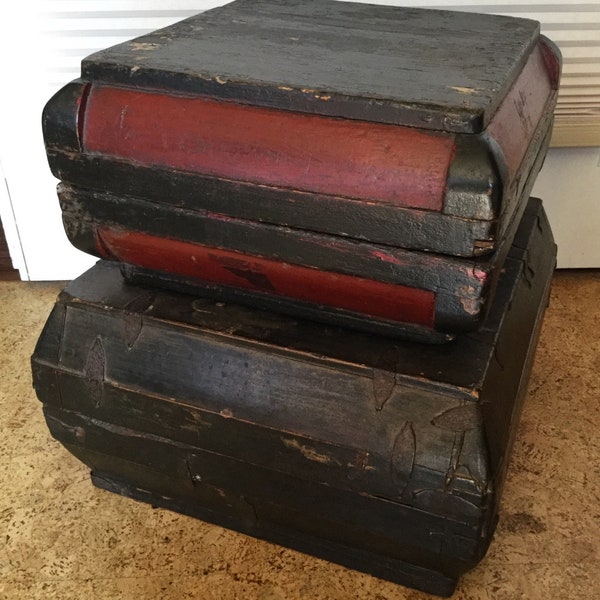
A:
[(355, 164), (385, 456)]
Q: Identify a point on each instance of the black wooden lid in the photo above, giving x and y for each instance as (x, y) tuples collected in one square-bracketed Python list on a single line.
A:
[(434, 69)]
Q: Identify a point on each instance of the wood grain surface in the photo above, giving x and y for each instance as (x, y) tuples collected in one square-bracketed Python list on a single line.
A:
[(380, 63)]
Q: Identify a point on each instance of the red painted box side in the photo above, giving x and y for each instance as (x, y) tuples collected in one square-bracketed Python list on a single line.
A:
[(383, 163), (516, 119), (393, 302)]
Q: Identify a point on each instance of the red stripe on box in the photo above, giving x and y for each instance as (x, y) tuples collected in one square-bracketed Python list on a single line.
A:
[(385, 163), (521, 110), (393, 302)]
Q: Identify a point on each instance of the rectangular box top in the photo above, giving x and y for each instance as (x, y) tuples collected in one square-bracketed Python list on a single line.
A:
[(439, 70)]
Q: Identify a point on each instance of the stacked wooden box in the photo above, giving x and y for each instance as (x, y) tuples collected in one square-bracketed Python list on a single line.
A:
[(323, 277)]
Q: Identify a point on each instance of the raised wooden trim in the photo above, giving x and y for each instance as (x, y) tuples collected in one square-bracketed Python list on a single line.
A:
[(215, 265)]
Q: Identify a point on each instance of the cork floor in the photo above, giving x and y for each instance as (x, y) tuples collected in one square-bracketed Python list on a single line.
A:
[(63, 538)]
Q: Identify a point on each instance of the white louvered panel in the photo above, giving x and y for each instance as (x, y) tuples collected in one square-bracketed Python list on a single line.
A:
[(91, 7), (574, 25), (582, 80)]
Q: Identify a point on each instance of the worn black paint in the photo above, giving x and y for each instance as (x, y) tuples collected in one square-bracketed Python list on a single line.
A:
[(334, 58), (246, 418), (372, 222)]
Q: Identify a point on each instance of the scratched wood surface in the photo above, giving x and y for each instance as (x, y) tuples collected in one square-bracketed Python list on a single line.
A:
[(319, 56), (374, 222), (246, 418)]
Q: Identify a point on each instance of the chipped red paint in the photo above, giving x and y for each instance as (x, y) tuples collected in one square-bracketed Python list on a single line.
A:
[(393, 302), (481, 275), (386, 257), (384, 163), (525, 104)]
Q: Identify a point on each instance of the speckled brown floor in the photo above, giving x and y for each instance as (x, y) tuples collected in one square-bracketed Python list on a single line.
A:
[(62, 538)]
